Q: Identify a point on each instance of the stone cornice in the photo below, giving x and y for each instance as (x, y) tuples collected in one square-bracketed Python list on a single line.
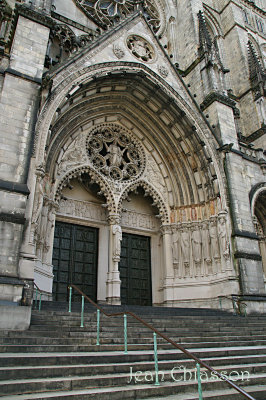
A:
[(215, 96), (256, 135), (27, 12), (253, 5)]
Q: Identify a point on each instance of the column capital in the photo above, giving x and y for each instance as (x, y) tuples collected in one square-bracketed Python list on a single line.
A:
[(166, 229)]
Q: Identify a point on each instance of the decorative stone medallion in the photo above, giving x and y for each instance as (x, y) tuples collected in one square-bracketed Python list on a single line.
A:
[(118, 51), (163, 71), (140, 48), (114, 153)]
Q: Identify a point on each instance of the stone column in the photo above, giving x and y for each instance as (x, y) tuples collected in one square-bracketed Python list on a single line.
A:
[(166, 231), (113, 276)]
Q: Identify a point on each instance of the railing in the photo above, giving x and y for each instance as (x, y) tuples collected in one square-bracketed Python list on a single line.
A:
[(156, 333), (40, 292)]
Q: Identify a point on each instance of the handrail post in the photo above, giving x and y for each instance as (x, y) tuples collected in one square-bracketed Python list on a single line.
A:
[(70, 297), (40, 302), (234, 305), (199, 382), (98, 328), (220, 302), (82, 313), (156, 360), (36, 298), (125, 333)]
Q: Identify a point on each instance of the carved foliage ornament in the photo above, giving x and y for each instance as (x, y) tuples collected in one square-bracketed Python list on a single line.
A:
[(114, 153)]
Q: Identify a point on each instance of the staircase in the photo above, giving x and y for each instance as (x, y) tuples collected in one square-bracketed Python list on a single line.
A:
[(56, 359)]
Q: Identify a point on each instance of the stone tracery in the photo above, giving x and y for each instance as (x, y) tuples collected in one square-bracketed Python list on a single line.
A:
[(114, 153)]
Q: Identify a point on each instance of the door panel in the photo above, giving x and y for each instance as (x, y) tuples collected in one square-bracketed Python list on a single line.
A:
[(135, 270), (75, 260)]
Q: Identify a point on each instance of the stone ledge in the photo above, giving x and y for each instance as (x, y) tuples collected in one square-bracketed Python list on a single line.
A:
[(14, 218), (14, 187), (248, 256), (14, 317)]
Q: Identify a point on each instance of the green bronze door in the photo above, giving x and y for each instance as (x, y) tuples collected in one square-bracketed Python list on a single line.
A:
[(75, 256), (135, 270)]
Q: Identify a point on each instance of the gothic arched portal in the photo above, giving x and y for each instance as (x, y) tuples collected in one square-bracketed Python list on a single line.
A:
[(122, 152)]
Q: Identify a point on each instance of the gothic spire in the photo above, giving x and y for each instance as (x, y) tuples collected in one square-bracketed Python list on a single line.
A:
[(257, 74), (204, 35)]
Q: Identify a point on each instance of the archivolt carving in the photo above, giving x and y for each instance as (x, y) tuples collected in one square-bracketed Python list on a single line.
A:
[(149, 191), (95, 177), (154, 176), (73, 156)]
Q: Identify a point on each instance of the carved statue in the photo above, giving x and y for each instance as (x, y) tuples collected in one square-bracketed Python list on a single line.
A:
[(176, 247), (224, 245), (48, 232), (196, 245), (117, 232), (214, 239), (206, 243), (115, 154), (185, 249)]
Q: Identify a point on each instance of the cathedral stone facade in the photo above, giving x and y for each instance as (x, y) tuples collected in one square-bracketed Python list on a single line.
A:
[(132, 152)]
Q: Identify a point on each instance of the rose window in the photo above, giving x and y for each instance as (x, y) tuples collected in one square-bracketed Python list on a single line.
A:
[(114, 153), (106, 12)]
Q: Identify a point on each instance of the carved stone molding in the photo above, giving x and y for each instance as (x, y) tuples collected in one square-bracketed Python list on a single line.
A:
[(82, 209), (149, 191), (136, 220)]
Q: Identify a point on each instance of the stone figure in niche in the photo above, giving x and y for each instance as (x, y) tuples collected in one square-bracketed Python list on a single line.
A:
[(115, 154), (196, 245), (196, 249), (176, 248), (49, 226), (224, 245), (185, 248), (214, 240), (117, 232), (206, 251)]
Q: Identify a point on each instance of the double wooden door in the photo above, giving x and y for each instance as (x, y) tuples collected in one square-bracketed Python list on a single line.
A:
[(75, 258)]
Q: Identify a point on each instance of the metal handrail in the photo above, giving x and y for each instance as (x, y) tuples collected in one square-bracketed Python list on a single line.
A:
[(178, 346), (40, 299)]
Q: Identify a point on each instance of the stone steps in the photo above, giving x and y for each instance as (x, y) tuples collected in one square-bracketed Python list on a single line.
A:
[(21, 342), (143, 392), (52, 371), (113, 346), (23, 386), (57, 359)]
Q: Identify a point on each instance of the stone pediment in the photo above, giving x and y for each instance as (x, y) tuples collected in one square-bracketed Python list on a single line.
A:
[(131, 42)]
